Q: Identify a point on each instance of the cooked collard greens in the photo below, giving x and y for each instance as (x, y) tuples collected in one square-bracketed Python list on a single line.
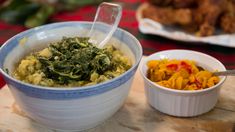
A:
[(72, 62)]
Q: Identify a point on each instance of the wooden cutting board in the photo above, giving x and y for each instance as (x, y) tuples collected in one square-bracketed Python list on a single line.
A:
[(135, 115)]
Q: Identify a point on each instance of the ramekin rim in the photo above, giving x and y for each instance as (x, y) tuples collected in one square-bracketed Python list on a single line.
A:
[(176, 90)]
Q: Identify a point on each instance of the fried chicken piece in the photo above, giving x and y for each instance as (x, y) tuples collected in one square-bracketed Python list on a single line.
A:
[(227, 20), (227, 23), (198, 16), (205, 30), (168, 15), (207, 14), (159, 14), (183, 16)]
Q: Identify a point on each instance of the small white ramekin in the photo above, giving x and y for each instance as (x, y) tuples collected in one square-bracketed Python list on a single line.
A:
[(182, 103)]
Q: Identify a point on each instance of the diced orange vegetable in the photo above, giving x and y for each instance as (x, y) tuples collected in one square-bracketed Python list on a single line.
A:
[(180, 74)]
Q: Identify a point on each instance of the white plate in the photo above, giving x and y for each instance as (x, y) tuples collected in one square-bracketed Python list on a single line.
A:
[(148, 26)]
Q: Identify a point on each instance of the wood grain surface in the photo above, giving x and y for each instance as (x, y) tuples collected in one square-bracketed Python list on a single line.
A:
[(135, 115)]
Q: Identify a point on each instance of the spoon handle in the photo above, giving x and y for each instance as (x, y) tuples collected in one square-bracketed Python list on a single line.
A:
[(106, 21), (225, 73)]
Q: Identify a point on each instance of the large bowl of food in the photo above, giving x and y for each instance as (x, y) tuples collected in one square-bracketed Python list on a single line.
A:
[(182, 82), (61, 80)]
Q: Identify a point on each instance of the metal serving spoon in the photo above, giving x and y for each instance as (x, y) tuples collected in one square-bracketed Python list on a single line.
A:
[(107, 18), (221, 73), (225, 73)]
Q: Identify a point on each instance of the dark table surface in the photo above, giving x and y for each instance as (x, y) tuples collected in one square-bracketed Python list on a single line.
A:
[(150, 43)]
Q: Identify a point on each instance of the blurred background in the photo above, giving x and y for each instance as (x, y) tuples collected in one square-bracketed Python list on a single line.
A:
[(32, 13), (19, 15)]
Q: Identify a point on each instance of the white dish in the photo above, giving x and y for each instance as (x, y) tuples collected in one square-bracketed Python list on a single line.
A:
[(182, 103), (148, 26)]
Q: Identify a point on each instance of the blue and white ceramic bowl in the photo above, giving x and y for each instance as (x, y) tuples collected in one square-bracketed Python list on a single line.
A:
[(76, 108)]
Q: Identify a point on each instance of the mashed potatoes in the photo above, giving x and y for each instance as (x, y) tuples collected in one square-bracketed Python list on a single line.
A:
[(180, 74), (72, 62)]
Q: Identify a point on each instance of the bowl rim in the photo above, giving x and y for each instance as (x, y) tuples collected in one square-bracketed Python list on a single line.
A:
[(60, 25), (143, 62)]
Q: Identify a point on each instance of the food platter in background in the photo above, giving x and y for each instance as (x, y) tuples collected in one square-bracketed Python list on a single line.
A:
[(149, 26)]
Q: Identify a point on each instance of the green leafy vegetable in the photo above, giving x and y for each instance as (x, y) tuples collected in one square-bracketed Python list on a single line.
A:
[(75, 59), (72, 62)]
